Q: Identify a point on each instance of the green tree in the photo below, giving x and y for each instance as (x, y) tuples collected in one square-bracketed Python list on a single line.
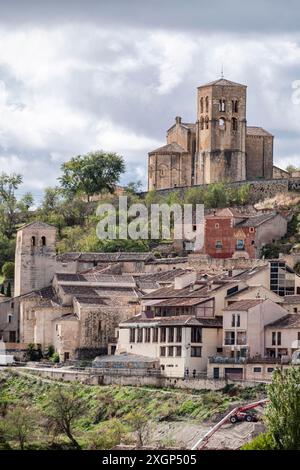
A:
[(93, 173), (63, 410), (283, 411), (270, 250), (291, 169), (8, 270), (133, 188), (12, 210), (107, 435), (19, 425)]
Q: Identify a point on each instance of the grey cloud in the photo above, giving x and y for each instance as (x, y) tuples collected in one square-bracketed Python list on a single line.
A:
[(220, 15)]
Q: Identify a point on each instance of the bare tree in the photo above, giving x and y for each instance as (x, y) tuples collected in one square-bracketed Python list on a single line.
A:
[(63, 409)]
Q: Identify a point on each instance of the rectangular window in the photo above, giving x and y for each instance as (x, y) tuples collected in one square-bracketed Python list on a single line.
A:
[(270, 369), (238, 320), (178, 334), (196, 334), (279, 338), (155, 335), (196, 351), (240, 244), (147, 335), (219, 244), (171, 334), (140, 335), (233, 320), (229, 338), (162, 351), (171, 351), (298, 335), (12, 337), (178, 351), (295, 309), (241, 338), (273, 338), (256, 369), (163, 334), (132, 335)]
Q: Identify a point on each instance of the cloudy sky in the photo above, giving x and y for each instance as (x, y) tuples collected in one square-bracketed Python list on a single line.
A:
[(95, 74)]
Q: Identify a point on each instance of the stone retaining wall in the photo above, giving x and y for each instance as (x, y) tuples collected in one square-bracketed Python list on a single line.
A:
[(259, 189), (136, 381)]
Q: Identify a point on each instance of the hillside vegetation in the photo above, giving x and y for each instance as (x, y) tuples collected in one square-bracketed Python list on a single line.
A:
[(108, 414)]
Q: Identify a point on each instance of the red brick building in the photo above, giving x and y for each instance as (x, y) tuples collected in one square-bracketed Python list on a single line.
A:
[(232, 234)]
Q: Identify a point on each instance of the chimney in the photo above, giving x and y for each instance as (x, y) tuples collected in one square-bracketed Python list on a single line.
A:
[(178, 120)]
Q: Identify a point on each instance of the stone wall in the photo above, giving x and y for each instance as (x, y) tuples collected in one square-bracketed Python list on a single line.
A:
[(259, 189), (89, 378), (204, 262)]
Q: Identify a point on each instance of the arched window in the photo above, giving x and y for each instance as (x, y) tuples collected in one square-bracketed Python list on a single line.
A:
[(43, 241), (32, 241), (235, 106), (222, 105), (222, 123), (234, 124), (206, 104), (206, 122), (201, 105), (202, 123)]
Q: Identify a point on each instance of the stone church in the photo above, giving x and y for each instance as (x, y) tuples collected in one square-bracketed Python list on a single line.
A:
[(218, 147)]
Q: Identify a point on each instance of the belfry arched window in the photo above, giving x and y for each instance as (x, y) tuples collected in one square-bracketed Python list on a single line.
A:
[(235, 106), (222, 105), (206, 104), (43, 239), (202, 123), (206, 122), (201, 105), (32, 241)]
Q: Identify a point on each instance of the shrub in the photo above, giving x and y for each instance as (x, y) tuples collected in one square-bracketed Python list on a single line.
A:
[(55, 358), (263, 441)]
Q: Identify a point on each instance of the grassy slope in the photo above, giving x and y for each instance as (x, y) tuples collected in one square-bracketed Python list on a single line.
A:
[(107, 402)]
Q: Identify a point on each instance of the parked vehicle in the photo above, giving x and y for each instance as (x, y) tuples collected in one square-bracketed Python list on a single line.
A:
[(243, 416), (6, 359)]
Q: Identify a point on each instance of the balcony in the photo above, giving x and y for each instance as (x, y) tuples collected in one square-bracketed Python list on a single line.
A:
[(247, 360), (226, 360)]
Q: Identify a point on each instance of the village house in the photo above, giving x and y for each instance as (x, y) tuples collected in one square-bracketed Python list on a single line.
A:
[(232, 234), (182, 343), (282, 337)]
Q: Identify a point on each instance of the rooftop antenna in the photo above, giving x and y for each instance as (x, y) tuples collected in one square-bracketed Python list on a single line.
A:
[(222, 72)]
